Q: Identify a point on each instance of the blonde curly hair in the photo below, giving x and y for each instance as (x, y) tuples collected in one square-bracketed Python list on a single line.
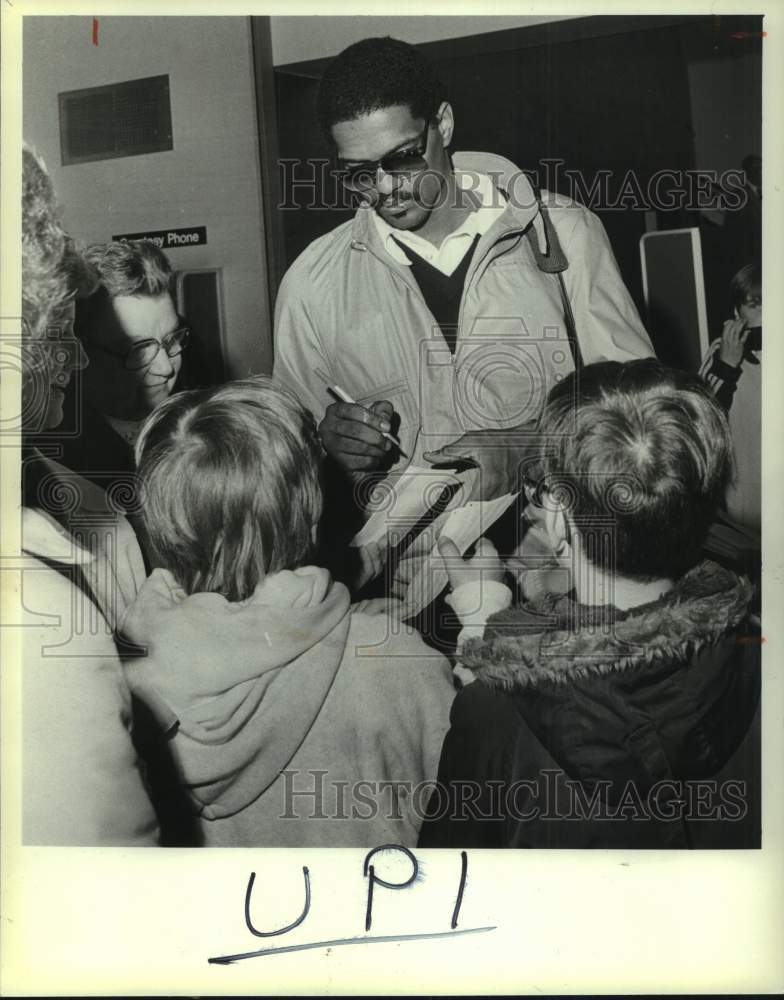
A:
[(53, 271)]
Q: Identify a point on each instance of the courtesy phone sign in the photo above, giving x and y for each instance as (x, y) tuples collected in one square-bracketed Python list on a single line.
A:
[(168, 239)]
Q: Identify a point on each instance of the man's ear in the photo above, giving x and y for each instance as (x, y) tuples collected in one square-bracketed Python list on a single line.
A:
[(446, 123)]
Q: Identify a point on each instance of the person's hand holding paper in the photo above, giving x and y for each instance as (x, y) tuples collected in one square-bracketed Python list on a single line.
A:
[(403, 508), (454, 533), (477, 588), (484, 564), (497, 453)]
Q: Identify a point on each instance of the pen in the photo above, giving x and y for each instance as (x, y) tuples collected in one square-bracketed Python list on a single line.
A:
[(344, 397)]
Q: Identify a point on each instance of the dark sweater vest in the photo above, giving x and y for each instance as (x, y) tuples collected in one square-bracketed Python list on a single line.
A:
[(441, 292)]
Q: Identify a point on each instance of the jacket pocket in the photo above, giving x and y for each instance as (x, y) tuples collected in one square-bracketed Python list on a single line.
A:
[(401, 398)]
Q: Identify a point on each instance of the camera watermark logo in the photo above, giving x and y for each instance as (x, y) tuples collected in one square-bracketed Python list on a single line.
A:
[(45, 367), (497, 378)]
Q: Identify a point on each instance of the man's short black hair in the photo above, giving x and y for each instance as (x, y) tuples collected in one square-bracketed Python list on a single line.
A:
[(377, 73)]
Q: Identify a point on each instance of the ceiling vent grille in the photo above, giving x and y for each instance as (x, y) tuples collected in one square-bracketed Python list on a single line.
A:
[(118, 119)]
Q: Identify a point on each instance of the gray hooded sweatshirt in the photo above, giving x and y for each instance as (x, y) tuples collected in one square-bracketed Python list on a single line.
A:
[(292, 721)]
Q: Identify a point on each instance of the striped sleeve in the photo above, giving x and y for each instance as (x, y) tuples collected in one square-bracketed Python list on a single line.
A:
[(721, 377)]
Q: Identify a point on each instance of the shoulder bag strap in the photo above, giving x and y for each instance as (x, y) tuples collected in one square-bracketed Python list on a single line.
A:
[(554, 261)]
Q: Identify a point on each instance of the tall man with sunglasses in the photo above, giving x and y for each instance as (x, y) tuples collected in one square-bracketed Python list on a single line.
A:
[(134, 342), (439, 307)]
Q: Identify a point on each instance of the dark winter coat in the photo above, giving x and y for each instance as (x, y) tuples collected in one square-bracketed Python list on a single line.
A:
[(593, 727)]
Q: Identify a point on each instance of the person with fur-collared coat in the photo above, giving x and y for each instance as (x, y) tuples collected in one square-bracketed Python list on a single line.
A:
[(624, 712)]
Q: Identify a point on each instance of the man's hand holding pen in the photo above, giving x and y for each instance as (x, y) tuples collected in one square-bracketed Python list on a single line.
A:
[(354, 435)]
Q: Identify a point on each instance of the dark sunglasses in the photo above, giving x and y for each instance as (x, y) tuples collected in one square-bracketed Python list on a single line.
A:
[(144, 352), (362, 176)]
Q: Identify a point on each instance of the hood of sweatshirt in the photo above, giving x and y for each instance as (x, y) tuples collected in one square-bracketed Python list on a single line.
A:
[(239, 684)]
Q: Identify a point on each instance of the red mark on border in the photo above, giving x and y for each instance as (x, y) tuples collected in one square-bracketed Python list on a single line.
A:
[(95, 31), (749, 34)]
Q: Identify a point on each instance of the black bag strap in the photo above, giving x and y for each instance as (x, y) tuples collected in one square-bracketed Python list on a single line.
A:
[(571, 328), (554, 261)]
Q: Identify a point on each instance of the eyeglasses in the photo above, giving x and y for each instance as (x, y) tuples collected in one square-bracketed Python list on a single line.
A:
[(535, 490), (538, 492), (534, 487), (362, 176), (144, 352)]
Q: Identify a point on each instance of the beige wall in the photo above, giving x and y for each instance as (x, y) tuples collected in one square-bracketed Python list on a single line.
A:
[(210, 178), (296, 39)]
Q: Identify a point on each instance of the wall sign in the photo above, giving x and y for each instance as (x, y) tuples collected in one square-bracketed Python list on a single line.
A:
[(169, 239)]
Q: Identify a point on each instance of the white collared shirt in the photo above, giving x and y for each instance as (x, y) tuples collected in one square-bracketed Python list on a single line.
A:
[(452, 250)]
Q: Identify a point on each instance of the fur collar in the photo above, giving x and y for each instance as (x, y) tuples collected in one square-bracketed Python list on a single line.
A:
[(556, 639)]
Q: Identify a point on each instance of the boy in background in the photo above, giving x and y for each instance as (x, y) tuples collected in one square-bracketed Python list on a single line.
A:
[(733, 370)]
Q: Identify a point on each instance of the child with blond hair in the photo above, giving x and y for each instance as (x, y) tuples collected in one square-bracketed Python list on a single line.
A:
[(291, 719)]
